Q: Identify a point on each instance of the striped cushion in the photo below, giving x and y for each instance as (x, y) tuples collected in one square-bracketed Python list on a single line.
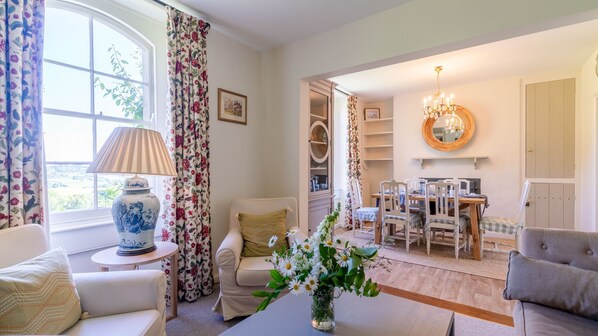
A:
[(367, 214), (414, 222), (499, 224), (464, 221), (38, 296)]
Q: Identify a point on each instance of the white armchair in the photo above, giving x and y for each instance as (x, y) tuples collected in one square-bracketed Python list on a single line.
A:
[(240, 276), (118, 303)]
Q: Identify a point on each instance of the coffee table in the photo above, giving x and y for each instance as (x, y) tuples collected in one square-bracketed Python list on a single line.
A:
[(382, 315)]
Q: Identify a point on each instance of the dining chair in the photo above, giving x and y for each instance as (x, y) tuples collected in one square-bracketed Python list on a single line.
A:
[(505, 225), (360, 213), (463, 185), (396, 214), (441, 203)]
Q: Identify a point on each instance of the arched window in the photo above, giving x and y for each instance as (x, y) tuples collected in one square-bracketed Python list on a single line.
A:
[(97, 76)]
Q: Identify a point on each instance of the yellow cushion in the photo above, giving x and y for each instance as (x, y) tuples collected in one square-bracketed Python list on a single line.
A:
[(257, 230), (38, 296)]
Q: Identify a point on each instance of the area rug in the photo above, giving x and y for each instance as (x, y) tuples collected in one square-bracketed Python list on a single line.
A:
[(493, 264)]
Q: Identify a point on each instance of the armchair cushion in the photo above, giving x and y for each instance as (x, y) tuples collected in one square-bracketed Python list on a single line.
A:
[(258, 229), (38, 296), (254, 271), (563, 287)]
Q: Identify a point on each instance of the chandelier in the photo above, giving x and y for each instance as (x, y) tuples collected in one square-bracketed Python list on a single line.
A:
[(439, 104)]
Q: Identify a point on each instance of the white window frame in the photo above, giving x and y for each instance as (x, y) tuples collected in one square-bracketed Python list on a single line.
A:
[(77, 219)]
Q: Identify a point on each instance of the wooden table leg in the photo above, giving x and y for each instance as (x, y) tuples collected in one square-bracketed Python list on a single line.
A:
[(475, 232), (174, 285)]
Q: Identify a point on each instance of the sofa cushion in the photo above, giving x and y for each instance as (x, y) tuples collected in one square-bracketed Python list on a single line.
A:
[(554, 285), (258, 229), (145, 322), (38, 296), (532, 319), (254, 271)]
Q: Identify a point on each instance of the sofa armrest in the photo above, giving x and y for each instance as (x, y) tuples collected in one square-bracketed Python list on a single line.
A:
[(229, 253), (109, 293)]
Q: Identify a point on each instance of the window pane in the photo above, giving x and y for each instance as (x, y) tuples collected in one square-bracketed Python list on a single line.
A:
[(66, 37), (115, 53), (109, 186), (69, 187), (67, 138), (66, 89), (119, 98)]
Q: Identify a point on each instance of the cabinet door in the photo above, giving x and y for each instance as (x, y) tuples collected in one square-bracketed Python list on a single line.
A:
[(318, 209)]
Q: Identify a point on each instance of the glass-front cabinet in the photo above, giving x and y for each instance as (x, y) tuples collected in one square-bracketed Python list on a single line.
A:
[(320, 152)]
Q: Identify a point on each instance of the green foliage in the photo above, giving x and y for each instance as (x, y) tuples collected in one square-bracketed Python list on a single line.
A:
[(327, 263), (123, 93)]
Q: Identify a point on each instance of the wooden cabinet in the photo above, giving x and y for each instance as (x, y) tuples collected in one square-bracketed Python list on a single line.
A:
[(320, 152)]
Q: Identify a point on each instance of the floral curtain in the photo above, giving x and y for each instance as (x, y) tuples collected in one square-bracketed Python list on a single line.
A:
[(353, 156), (187, 201), (21, 150)]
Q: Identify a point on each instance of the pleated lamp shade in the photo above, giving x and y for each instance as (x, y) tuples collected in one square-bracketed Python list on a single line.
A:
[(133, 151)]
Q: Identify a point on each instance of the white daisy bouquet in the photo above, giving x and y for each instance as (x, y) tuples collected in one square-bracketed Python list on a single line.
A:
[(320, 264)]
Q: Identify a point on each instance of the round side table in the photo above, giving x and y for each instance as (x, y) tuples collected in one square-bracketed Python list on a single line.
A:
[(108, 258)]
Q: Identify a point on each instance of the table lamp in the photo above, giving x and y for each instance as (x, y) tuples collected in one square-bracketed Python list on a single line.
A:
[(131, 150)]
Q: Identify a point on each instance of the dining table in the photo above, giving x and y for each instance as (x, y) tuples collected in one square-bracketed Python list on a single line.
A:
[(472, 203)]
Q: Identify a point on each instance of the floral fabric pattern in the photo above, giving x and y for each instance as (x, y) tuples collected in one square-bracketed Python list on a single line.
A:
[(353, 156), (21, 149), (187, 201)]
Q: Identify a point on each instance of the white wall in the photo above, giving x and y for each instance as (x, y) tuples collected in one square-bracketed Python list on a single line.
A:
[(236, 150), (495, 107), (396, 35), (588, 166)]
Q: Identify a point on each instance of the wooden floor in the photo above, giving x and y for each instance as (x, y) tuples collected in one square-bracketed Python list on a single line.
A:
[(466, 294)]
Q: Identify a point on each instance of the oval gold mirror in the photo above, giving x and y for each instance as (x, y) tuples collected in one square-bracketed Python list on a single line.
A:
[(449, 132)]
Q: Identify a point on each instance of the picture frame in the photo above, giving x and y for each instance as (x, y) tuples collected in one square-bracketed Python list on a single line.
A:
[(371, 113), (232, 107)]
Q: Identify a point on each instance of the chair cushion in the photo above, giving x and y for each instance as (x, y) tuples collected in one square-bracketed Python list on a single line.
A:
[(563, 287), (464, 221), (254, 271), (415, 220), (536, 320), (368, 214), (258, 229), (38, 296), (145, 322), (499, 224)]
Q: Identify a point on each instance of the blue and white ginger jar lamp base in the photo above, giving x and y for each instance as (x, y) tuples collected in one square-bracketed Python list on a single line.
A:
[(135, 213)]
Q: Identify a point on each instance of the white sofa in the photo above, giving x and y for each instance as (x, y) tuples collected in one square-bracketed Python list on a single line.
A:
[(119, 303), (239, 277)]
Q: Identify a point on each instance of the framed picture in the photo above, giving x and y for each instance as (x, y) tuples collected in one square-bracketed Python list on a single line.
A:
[(232, 107), (371, 113)]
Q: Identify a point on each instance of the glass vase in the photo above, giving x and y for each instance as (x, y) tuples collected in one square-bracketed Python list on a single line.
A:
[(322, 308)]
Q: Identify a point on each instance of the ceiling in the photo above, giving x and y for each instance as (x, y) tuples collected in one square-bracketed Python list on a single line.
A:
[(266, 24), (565, 48)]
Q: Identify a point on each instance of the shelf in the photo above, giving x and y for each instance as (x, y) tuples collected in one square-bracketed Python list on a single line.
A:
[(474, 159), (318, 142), (377, 120), (319, 117), (377, 133), (318, 168), (381, 159), (378, 146)]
